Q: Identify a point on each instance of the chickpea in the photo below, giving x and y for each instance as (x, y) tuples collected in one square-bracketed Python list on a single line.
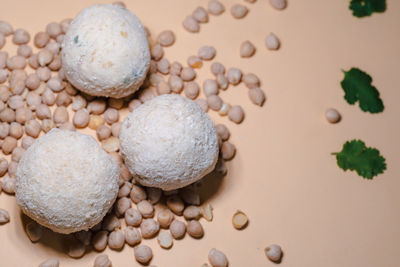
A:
[(16, 102), (115, 103), (195, 229), (3, 167), (278, 4), (166, 38), (53, 29), (200, 14), (257, 96), (4, 216), (95, 121), (16, 130), (16, 62), (192, 213), (247, 49), (102, 261), (3, 59), (43, 112), (239, 11), (116, 239), (45, 56), (65, 24), (210, 87), (78, 103), (272, 42), (97, 106), (8, 182), (133, 217), (3, 75), (234, 76), (5, 28), (206, 52), (21, 37), (99, 240), (125, 189), (157, 52), (175, 204), (110, 222), (76, 249), (123, 204), (191, 90), (60, 115), (55, 64), (202, 104), (165, 240), (153, 194), (8, 145), (236, 114), (332, 115), (32, 128), (48, 97), (215, 7), (132, 236), (163, 66), (34, 231), (143, 254), (251, 80), (190, 24), (102, 132), (24, 51), (149, 228), (47, 125), (32, 82), (27, 141), (135, 103), (217, 258), (194, 62), (41, 39), (33, 61), (33, 100), (12, 171), (43, 73), (177, 229), (53, 47), (145, 208), (175, 83), (222, 132), (214, 102), (116, 128), (137, 194), (55, 84), (273, 253), (175, 68)]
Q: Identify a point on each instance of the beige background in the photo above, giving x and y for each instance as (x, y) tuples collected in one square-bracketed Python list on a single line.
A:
[(283, 176)]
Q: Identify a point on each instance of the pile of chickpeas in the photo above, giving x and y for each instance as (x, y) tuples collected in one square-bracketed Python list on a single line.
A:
[(35, 97)]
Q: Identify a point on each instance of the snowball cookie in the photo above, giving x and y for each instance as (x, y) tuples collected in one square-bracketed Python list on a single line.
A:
[(169, 142), (105, 51), (66, 181)]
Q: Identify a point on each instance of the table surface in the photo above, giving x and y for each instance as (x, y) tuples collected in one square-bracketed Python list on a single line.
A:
[(283, 175)]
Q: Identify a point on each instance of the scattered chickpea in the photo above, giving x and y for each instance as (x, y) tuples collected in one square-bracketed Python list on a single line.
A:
[(52, 262), (53, 29), (21, 37), (3, 75), (45, 57), (210, 87), (165, 218), (102, 261), (34, 231), (278, 4), (125, 189), (2, 40), (111, 222), (207, 212), (55, 64), (272, 42), (251, 80), (223, 111), (175, 204), (84, 237), (247, 49), (16, 130), (200, 14), (16, 62), (191, 90), (41, 39), (206, 52), (202, 104), (8, 145), (236, 114), (215, 7), (234, 76), (3, 59), (7, 115), (239, 11), (76, 250), (257, 96), (15, 102), (111, 144), (157, 52), (32, 128), (143, 254), (222, 81), (175, 83), (8, 183), (165, 240), (332, 115), (6, 28), (177, 229), (153, 194), (239, 220), (65, 24), (99, 240), (116, 128), (191, 25), (145, 208), (194, 62), (149, 228), (48, 97), (190, 195), (273, 253), (43, 73), (97, 106), (33, 100), (166, 38), (12, 171), (133, 217), (78, 103), (132, 236), (3, 167), (56, 85), (163, 88), (53, 46), (27, 141), (95, 121), (214, 102), (195, 229), (24, 51), (175, 68), (134, 103), (33, 61), (116, 239), (217, 258), (32, 82), (4, 216), (192, 213), (67, 126), (163, 66), (222, 131)]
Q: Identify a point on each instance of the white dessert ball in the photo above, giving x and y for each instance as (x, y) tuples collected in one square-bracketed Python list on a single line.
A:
[(169, 142), (105, 51), (66, 181)]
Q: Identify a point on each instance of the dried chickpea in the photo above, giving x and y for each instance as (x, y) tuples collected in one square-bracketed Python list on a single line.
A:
[(7, 115), (32, 82), (110, 222), (272, 42), (145, 208), (81, 118), (52, 262), (192, 213), (133, 217), (67, 126), (8, 183), (41, 39), (143, 254), (190, 24), (134, 104), (137, 194), (24, 51), (55, 84), (210, 87), (33, 100), (16, 63), (206, 52), (191, 90), (48, 97), (111, 144), (45, 56), (239, 11), (202, 104), (200, 14), (65, 24), (53, 29), (97, 106), (332, 115), (125, 189), (122, 205), (53, 46), (214, 102), (251, 80), (165, 218), (239, 220), (217, 258), (175, 68), (234, 76), (132, 236), (194, 62), (33, 61), (78, 103), (165, 240), (3, 59), (102, 132), (116, 239), (27, 141), (147, 94), (32, 128), (222, 131), (95, 121), (163, 88), (12, 171), (34, 231), (16, 130), (157, 52), (21, 37), (257, 96), (195, 229), (236, 114), (273, 252), (4, 216), (15, 102), (99, 240), (3, 75), (55, 64), (3, 166), (175, 204), (163, 66), (76, 249), (153, 194), (247, 49), (5, 28), (215, 7), (278, 4), (116, 128), (177, 229), (102, 261), (43, 73), (115, 103), (8, 145), (60, 115), (47, 125), (207, 213), (175, 83), (166, 38), (43, 112), (222, 81), (111, 115), (149, 228)]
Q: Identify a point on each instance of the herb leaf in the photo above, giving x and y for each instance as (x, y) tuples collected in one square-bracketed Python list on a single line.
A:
[(366, 161), (363, 8), (357, 87)]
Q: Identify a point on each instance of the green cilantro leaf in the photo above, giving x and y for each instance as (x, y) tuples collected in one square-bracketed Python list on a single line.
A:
[(362, 8), (357, 87), (366, 161)]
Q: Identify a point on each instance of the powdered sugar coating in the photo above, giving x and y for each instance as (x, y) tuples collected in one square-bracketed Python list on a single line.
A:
[(66, 181), (105, 51), (169, 142)]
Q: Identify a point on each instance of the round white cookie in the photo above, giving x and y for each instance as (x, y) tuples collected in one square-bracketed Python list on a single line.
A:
[(65, 181), (105, 51), (169, 142)]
